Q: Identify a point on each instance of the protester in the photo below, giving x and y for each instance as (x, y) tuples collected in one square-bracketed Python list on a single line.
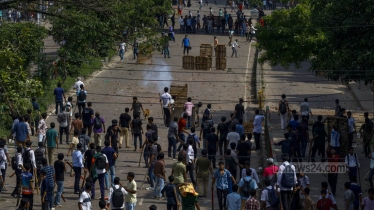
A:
[(124, 122), (222, 186), (130, 198), (116, 195), (286, 181), (170, 193), (60, 169)]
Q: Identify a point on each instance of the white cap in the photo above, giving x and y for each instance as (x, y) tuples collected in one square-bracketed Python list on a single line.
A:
[(270, 160)]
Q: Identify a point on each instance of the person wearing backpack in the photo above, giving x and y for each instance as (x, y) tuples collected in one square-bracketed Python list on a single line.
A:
[(287, 145), (233, 201), (286, 181), (99, 169), (112, 156), (98, 124), (63, 119), (205, 130), (252, 203), (17, 166), (349, 197), (283, 110), (270, 196), (28, 156), (84, 140), (352, 164), (87, 116), (116, 200), (246, 184)]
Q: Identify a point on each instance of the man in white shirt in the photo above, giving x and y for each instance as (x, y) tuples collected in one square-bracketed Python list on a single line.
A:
[(352, 164), (190, 159), (188, 106), (265, 193), (32, 157), (121, 50), (181, 23), (84, 202), (286, 186), (232, 136), (257, 128), (233, 46), (100, 172), (351, 128), (114, 199), (78, 84), (305, 109), (165, 99)]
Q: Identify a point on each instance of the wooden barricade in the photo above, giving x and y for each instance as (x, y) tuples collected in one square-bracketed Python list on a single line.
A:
[(188, 62), (206, 50), (202, 63), (221, 57)]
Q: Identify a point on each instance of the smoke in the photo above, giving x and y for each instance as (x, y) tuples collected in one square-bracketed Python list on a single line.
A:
[(162, 75)]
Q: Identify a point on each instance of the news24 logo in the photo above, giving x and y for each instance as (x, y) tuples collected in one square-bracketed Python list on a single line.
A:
[(319, 167)]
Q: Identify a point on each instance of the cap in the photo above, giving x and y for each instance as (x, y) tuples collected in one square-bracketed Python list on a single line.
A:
[(270, 160)]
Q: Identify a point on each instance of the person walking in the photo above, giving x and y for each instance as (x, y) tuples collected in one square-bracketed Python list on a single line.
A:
[(286, 182), (351, 128), (352, 164), (135, 48), (63, 119), (51, 142), (165, 98), (222, 175), (98, 124), (112, 156), (212, 146), (257, 128), (233, 47), (122, 50), (188, 108), (18, 168), (333, 161), (203, 169), (205, 130), (124, 122), (87, 116), (170, 193), (283, 110), (99, 169), (159, 173), (137, 131), (182, 123), (42, 128), (77, 158), (173, 138), (81, 98), (59, 97), (51, 177), (21, 132), (186, 45), (305, 109), (136, 107), (130, 198), (28, 185), (60, 169), (116, 195)]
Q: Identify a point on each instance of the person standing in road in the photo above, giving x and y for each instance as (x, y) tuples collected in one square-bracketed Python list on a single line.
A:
[(337, 107), (87, 116), (165, 99), (124, 122), (283, 110), (98, 124), (135, 48), (186, 45), (122, 50), (352, 164), (81, 98), (239, 110), (62, 118), (59, 96), (51, 142), (257, 128), (77, 159), (188, 107), (130, 198), (116, 199), (305, 109), (136, 106), (173, 137), (233, 47), (137, 131), (222, 175)]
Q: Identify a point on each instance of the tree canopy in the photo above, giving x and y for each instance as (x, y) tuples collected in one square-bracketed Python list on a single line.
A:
[(335, 36)]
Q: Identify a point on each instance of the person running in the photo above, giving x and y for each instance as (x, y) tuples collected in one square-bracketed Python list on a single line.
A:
[(222, 175), (124, 122), (233, 47)]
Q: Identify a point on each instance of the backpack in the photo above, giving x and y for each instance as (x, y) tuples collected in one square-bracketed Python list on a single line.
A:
[(98, 123), (83, 142), (347, 158), (288, 177), (82, 96), (246, 187), (14, 162), (191, 137), (273, 198), (26, 157), (286, 146), (67, 107), (100, 162), (283, 107), (117, 197)]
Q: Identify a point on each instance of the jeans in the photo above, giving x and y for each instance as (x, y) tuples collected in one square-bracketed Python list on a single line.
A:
[(136, 136), (66, 131), (171, 207), (350, 139), (257, 140), (81, 106), (371, 173), (283, 118), (45, 205), (101, 178), (352, 173), (252, 35), (234, 52), (222, 194), (190, 169), (167, 116), (130, 206), (285, 199), (186, 48), (18, 180), (188, 122), (297, 155), (212, 156), (121, 54), (172, 143), (151, 174), (112, 175), (135, 52), (183, 139), (166, 52), (58, 103), (160, 182), (321, 149), (78, 172), (60, 189), (332, 179), (50, 197), (304, 144)]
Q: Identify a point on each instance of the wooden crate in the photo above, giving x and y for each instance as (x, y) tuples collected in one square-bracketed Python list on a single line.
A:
[(206, 50), (188, 62), (202, 63), (180, 93), (248, 127), (221, 51), (220, 63)]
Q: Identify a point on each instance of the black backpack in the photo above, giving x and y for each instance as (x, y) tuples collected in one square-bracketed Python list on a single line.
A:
[(26, 157), (67, 107), (283, 107), (288, 176), (83, 142), (273, 198), (286, 146), (82, 95), (100, 162), (14, 162), (246, 188), (191, 137), (117, 198), (98, 123)]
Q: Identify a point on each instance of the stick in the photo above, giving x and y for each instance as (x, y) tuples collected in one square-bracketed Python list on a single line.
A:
[(67, 162), (63, 198), (12, 175), (140, 158), (36, 182)]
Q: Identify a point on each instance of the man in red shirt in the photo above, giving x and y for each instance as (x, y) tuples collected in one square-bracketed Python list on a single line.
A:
[(271, 171), (325, 203), (182, 123)]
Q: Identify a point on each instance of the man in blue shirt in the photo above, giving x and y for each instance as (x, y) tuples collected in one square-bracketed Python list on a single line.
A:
[(59, 95), (221, 176), (239, 127), (22, 134), (50, 172), (112, 156), (36, 108), (233, 199), (77, 159), (186, 44), (245, 181)]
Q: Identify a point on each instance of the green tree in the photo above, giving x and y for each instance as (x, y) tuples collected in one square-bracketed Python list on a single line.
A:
[(335, 36)]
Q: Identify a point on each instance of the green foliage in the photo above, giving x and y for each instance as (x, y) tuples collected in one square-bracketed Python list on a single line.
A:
[(335, 36)]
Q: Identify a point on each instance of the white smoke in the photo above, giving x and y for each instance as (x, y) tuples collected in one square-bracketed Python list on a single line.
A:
[(161, 74)]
